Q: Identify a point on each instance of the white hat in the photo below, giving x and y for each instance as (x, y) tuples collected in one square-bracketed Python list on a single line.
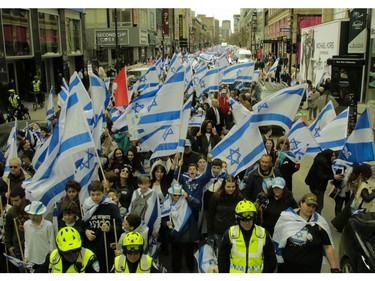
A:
[(187, 142), (175, 189), (35, 208)]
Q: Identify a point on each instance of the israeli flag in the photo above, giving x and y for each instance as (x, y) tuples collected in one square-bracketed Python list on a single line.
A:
[(199, 74), (273, 67), (246, 74), (301, 140), (241, 147), (231, 73), (11, 148), (326, 115), (359, 146), (150, 79), (50, 110), (239, 112), (209, 83), (174, 65), (334, 134), (196, 121), (279, 108)]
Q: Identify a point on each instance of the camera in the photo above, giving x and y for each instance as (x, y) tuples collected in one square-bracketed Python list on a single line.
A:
[(262, 200)]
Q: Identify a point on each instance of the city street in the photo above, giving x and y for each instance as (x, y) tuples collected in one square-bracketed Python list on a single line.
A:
[(300, 187)]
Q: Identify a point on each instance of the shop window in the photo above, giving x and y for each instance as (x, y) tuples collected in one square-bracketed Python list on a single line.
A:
[(48, 33), (73, 34), (16, 29)]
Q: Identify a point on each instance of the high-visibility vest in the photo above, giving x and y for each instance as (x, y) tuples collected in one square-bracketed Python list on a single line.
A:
[(144, 265), (36, 86), (13, 101), (248, 260), (55, 261)]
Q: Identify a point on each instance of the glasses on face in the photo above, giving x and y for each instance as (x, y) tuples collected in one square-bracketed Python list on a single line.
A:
[(125, 171), (177, 195), (13, 167)]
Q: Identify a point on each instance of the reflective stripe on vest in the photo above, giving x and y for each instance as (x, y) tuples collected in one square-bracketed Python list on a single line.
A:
[(36, 85), (55, 262), (247, 260), (144, 266)]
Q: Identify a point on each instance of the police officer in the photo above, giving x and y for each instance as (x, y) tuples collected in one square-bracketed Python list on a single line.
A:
[(36, 83), (246, 247), (70, 256), (133, 260), (14, 99)]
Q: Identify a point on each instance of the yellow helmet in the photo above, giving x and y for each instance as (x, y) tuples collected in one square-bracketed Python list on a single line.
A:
[(133, 242), (11, 91), (68, 238), (245, 210)]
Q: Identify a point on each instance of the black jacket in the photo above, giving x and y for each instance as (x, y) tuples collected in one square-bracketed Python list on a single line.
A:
[(320, 172)]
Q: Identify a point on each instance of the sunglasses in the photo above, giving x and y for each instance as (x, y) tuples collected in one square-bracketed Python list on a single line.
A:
[(72, 252), (125, 171), (247, 219), (178, 195), (13, 167)]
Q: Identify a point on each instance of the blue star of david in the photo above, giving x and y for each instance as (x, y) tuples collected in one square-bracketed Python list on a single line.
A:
[(232, 156), (151, 105), (294, 144), (202, 84), (196, 81), (346, 152), (87, 163), (239, 72), (317, 132), (261, 106), (138, 107), (167, 132), (173, 69), (143, 79)]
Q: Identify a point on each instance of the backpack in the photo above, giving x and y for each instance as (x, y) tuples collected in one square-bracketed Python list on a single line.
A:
[(139, 205)]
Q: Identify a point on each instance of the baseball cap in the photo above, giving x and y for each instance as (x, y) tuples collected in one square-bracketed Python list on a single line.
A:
[(187, 142), (278, 182), (310, 198)]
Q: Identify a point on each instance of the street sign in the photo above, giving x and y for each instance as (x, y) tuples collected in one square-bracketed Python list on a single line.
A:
[(285, 29)]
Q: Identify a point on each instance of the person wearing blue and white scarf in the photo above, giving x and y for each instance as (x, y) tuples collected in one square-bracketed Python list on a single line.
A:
[(302, 238), (177, 217)]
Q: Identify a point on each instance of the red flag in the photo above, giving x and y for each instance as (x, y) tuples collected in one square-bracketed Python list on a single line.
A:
[(120, 89)]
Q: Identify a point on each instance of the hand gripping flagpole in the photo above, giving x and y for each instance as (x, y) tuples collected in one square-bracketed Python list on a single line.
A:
[(19, 242)]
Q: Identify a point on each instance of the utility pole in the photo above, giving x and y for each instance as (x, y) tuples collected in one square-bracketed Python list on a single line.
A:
[(291, 40), (116, 44)]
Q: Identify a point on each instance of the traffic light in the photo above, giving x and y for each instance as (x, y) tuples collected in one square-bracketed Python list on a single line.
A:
[(289, 47)]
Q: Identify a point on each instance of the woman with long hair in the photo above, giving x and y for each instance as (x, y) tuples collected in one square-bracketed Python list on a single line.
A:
[(127, 186), (221, 214), (117, 161), (132, 159)]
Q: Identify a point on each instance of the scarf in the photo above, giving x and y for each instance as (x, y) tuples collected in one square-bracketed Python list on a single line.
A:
[(89, 207)]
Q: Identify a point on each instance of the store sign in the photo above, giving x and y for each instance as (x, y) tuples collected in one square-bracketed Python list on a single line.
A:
[(357, 31), (108, 38)]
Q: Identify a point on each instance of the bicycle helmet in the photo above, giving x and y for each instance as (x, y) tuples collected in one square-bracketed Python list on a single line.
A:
[(132, 243), (245, 210), (11, 91), (68, 238)]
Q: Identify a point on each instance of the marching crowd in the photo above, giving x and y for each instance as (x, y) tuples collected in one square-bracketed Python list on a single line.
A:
[(138, 210)]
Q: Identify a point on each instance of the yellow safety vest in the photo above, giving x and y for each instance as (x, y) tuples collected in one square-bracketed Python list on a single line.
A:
[(13, 101), (248, 260), (55, 261), (144, 265), (36, 86)]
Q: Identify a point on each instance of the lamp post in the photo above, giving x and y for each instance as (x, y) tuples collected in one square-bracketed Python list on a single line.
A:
[(116, 44), (291, 41)]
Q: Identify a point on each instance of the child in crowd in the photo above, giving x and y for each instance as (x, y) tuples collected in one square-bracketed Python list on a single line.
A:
[(39, 235), (112, 193), (70, 217), (72, 189), (100, 217), (134, 223), (145, 203)]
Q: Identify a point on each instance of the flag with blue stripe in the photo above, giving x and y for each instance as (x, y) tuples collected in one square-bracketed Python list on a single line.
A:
[(241, 147), (279, 108), (334, 134), (174, 65), (273, 67), (162, 111), (359, 146), (239, 112), (149, 79), (196, 121), (11, 148), (246, 74), (231, 73), (50, 110), (326, 115), (209, 82), (301, 140)]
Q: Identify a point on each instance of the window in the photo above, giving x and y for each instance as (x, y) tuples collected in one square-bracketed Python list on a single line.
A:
[(48, 33), (124, 17), (16, 29), (73, 34)]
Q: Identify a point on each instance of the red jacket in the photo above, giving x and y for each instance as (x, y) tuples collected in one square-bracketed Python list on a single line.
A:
[(224, 105)]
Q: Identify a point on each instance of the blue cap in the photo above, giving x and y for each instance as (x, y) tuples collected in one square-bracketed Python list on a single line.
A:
[(278, 182)]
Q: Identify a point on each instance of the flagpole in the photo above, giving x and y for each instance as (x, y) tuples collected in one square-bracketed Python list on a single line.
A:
[(105, 247), (2, 224), (115, 230), (19, 242)]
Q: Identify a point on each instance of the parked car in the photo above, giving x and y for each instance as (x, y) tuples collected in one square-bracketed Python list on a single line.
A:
[(357, 244)]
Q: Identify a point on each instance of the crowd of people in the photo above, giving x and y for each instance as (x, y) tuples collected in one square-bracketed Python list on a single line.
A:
[(139, 210)]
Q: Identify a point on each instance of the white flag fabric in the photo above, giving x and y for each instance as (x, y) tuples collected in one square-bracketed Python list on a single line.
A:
[(273, 67), (359, 146), (279, 108), (150, 79), (326, 115), (241, 147), (301, 140), (246, 74), (11, 148), (49, 109), (174, 65), (231, 73), (196, 121), (239, 112), (162, 111), (209, 82), (334, 134)]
